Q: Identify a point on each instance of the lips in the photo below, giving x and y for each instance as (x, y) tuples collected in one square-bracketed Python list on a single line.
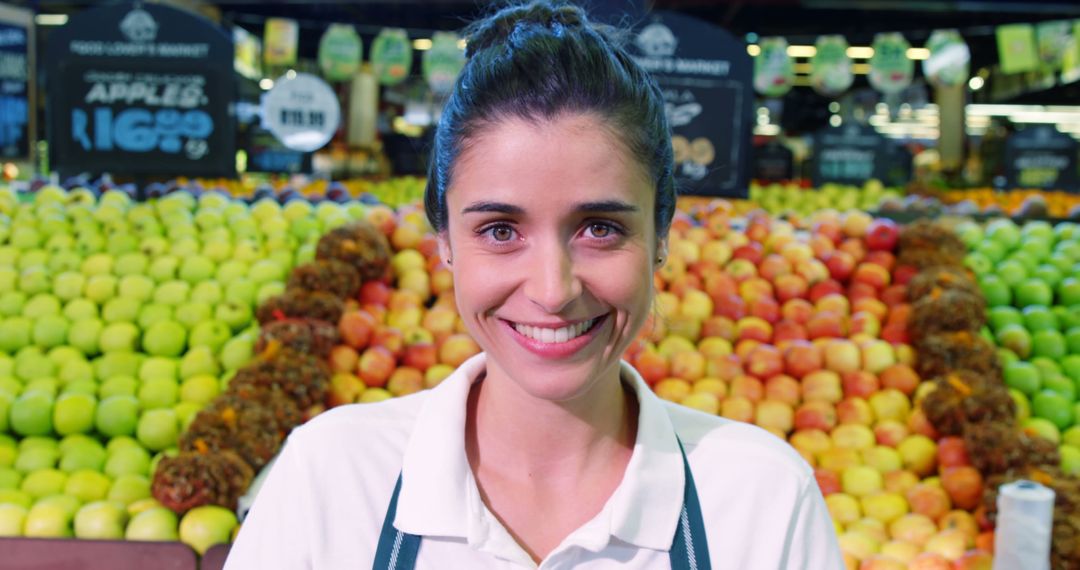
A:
[(556, 342)]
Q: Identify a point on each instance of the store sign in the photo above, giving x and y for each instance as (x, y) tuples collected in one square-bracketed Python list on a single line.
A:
[(1041, 157), (141, 90), (773, 162), (949, 61), (1070, 61), (302, 111), (1016, 48), (14, 91), (280, 40), (774, 70), (340, 52), (706, 78), (830, 68), (850, 154), (890, 69), (391, 56), (1053, 38), (248, 54), (443, 62)]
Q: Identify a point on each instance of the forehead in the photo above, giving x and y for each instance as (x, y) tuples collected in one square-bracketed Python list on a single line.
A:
[(562, 161)]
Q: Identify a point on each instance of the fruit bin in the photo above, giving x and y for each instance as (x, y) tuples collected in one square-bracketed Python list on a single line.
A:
[(800, 326)]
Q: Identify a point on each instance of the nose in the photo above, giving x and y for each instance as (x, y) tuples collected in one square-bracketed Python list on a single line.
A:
[(552, 282)]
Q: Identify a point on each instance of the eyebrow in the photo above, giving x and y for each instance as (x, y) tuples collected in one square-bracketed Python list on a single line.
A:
[(602, 206)]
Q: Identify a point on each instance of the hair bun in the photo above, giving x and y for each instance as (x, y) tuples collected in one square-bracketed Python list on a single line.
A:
[(500, 27)]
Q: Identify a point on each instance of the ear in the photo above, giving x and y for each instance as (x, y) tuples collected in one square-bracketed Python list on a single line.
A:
[(444, 246)]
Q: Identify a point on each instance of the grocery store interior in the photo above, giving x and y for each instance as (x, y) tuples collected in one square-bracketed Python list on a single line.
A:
[(212, 230)]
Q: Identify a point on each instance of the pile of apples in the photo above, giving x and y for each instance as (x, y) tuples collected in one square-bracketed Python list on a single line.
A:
[(119, 321), (1030, 277), (793, 199)]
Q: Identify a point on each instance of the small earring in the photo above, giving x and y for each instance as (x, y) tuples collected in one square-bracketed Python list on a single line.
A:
[(449, 261), (660, 260)]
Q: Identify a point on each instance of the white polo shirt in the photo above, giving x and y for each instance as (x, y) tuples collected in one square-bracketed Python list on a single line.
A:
[(323, 504)]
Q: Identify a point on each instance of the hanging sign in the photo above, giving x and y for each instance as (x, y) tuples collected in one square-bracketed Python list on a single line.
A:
[(1070, 61), (1041, 157), (1017, 50), (141, 90), (280, 40), (391, 56), (830, 68), (1053, 40), (773, 162), (302, 111), (774, 70), (849, 154), (707, 80), (890, 69), (443, 62), (15, 83), (248, 54), (340, 52), (949, 60)]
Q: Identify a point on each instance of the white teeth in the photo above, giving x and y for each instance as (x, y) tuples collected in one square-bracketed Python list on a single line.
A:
[(559, 335)]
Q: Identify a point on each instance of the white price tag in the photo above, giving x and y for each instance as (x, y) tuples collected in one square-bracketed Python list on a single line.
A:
[(303, 112)]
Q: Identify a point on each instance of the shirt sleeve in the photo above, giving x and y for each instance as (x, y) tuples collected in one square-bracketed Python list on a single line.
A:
[(811, 541), (276, 531)]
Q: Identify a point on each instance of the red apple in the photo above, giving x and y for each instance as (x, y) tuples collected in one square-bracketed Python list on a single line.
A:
[(828, 481), (882, 235), (840, 265), (420, 355), (773, 266), (457, 348), (815, 414), (797, 310), (860, 384), (964, 485), (790, 287), (729, 305), (404, 381), (823, 288), (890, 432), (826, 324), (652, 366), (375, 293), (783, 388), (901, 377), (802, 358), (822, 385), (754, 328), (764, 362), (737, 408), (855, 410), (356, 329), (952, 452), (842, 356), (748, 388), (343, 358), (376, 365)]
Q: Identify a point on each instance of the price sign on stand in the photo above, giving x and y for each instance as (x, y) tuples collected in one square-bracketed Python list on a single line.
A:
[(141, 90), (302, 111), (707, 80), (16, 83), (851, 154), (1041, 157)]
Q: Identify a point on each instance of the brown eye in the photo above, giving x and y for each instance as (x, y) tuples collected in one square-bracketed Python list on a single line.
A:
[(600, 230), (502, 233)]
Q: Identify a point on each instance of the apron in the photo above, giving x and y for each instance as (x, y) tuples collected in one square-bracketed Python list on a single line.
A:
[(689, 549)]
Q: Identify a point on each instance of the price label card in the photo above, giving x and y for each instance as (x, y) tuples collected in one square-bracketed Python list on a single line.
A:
[(1042, 157), (851, 154), (302, 111)]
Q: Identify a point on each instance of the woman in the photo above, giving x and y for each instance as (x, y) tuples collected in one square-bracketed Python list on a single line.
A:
[(551, 191)]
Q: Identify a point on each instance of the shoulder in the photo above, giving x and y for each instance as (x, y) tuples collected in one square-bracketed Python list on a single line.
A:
[(733, 449)]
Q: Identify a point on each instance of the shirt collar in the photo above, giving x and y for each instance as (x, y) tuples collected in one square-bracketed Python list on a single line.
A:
[(439, 496)]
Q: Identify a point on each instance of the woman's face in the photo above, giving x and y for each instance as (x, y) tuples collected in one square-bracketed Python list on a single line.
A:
[(552, 236)]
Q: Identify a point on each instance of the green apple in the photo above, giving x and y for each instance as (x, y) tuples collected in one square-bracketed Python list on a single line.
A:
[(165, 338), (231, 270), (15, 333), (120, 243), (1016, 338), (33, 459), (240, 291), (11, 303), (88, 457), (209, 292), (159, 367), (87, 386), (1004, 315), (98, 264), (192, 313), (127, 461), (119, 337), (138, 288), (85, 335), (154, 524), (50, 331), (62, 354), (1044, 428), (80, 309), (217, 249), (267, 290), (87, 485), (12, 518), (1054, 408), (74, 413), (69, 285), (237, 352), (158, 393), (235, 314), (31, 364), (199, 360), (34, 280), (1048, 274), (172, 293), (1070, 460), (117, 364), (200, 389), (184, 243), (41, 305), (163, 269), (205, 526), (31, 413), (100, 288), (117, 415), (1023, 377), (1038, 318), (1061, 385), (128, 488), (132, 263), (44, 482), (211, 333), (1012, 271), (1033, 292), (158, 429), (48, 520), (118, 386), (1049, 343), (153, 313), (10, 478), (995, 290), (196, 268), (75, 370), (1023, 405), (265, 270)]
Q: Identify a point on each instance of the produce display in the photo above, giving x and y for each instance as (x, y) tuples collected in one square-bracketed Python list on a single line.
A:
[(794, 199), (1015, 203), (119, 323), (868, 348)]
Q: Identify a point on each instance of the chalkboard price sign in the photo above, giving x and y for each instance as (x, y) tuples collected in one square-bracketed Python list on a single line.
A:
[(851, 154), (131, 95), (1042, 157)]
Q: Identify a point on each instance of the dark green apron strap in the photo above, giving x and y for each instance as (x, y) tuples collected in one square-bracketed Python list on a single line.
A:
[(397, 550), (690, 549)]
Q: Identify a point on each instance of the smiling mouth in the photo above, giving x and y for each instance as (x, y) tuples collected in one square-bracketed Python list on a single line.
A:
[(557, 335)]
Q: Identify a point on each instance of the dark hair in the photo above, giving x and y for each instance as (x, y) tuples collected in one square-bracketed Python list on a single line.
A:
[(537, 61)]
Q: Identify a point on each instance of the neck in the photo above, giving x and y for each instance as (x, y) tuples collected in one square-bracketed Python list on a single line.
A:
[(513, 435)]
